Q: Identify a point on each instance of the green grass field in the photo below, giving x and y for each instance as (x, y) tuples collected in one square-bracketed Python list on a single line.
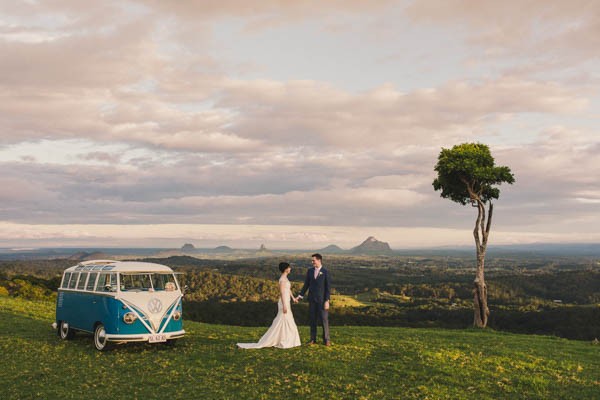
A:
[(363, 363)]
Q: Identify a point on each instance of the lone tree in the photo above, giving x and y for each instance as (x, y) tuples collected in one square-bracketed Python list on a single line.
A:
[(467, 175)]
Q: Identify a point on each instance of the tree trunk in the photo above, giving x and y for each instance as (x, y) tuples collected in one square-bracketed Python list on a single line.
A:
[(481, 310), (481, 234)]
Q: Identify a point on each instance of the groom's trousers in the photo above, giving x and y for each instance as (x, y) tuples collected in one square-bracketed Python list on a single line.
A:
[(318, 315)]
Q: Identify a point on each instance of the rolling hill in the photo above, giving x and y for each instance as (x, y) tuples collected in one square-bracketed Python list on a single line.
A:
[(363, 363)]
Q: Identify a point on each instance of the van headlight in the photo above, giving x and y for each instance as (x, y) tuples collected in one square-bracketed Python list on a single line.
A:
[(129, 318), (177, 315)]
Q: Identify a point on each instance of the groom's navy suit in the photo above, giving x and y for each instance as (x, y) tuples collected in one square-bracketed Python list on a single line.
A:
[(318, 293)]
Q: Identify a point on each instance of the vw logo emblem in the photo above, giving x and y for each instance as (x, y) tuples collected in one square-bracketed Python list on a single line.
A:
[(154, 305)]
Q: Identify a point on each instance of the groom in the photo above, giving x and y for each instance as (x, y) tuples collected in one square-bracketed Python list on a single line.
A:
[(318, 284)]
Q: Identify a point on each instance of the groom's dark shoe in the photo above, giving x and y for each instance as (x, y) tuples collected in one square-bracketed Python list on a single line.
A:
[(312, 342)]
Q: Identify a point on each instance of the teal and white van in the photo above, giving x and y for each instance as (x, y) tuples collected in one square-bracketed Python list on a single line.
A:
[(120, 301)]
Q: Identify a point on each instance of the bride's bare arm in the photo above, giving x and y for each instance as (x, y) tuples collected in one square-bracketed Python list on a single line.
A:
[(282, 294), (294, 298)]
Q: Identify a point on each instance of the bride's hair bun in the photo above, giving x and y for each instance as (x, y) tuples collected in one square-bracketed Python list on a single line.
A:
[(283, 266)]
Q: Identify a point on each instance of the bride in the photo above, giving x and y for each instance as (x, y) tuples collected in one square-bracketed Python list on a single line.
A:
[(283, 332)]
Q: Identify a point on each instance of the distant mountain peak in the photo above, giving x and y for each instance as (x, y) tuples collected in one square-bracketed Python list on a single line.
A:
[(223, 249), (188, 247), (263, 250), (372, 246), (332, 248)]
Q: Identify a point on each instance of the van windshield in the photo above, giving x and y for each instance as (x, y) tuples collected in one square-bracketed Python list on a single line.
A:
[(164, 282), (148, 282)]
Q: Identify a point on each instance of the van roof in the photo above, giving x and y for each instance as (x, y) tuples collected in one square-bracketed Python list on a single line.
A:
[(119, 266)]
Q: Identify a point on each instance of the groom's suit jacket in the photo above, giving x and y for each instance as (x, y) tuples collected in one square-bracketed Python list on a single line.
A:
[(319, 287)]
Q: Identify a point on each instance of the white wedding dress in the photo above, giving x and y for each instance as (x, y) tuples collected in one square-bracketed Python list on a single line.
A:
[(283, 332)]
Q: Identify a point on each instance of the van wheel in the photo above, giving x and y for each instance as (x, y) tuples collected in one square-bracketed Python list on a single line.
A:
[(100, 340), (65, 331)]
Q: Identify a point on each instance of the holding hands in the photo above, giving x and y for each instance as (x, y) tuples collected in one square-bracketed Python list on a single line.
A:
[(295, 299)]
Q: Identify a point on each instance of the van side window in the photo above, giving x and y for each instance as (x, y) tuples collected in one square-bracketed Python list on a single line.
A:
[(73, 281), (91, 281), (82, 279), (102, 278), (107, 282), (65, 282)]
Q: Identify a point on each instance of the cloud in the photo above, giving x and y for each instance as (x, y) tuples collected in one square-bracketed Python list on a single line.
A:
[(131, 84), (18, 190), (551, 29), (266, 11), (91, 60), (249, 115), (100, 156), (129, 113), (554, 173), (258, 188), (310, 113)]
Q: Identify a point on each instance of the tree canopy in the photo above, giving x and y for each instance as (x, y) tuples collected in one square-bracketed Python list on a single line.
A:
[(467, 172)]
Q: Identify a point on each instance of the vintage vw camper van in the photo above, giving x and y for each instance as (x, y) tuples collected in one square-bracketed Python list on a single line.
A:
[(120, 301)]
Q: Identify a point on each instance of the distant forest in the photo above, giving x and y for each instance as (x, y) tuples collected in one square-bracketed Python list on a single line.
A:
[(557, 296)]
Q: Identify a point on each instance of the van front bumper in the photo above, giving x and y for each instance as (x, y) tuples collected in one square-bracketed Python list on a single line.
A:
[(143, 337)]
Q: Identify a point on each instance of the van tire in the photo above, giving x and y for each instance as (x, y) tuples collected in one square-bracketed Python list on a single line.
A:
[(65, 332), (100, 340)]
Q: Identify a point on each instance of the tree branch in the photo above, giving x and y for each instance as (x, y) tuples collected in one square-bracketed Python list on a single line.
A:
[(482, 222), (478, 222), (488, 225)]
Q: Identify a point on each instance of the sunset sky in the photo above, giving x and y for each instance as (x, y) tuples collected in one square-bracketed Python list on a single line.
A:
[(296, 124)]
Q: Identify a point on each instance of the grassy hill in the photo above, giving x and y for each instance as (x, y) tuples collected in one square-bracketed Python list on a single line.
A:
[(364, 363)]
